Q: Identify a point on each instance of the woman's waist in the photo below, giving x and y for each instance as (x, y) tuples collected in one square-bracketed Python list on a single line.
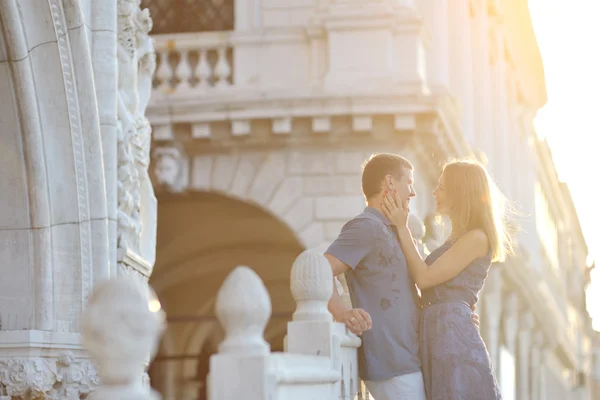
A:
[(429, 299)]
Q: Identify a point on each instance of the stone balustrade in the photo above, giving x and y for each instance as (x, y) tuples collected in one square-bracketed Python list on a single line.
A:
[(122, 325), (195, 61)]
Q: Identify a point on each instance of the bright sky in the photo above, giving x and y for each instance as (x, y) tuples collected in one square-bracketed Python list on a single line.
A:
[(568, 35)]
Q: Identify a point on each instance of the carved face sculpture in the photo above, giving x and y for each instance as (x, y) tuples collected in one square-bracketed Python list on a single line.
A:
[(167, 168)]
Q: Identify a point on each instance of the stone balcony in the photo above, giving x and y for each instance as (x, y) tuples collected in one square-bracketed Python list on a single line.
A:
[(341, 80)]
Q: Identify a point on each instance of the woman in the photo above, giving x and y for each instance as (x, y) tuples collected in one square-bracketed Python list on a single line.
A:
[(456, 364)]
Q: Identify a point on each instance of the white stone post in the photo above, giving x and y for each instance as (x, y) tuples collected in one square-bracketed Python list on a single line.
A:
[(121, 328), (243, 308), (312, 331)]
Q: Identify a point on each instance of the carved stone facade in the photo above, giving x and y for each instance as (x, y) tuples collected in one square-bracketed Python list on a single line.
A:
[(63, 378), (74, 83), (136, 200)]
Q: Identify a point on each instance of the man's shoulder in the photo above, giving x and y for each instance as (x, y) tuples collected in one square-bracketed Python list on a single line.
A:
[(364, 220), (367, 217)]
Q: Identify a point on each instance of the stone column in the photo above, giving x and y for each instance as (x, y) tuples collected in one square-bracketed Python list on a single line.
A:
[(511, 328), (104, 47), (461, 62), (536, 366), (435, 15), (492, 313), (525, 336), (482, 95), (500, 133), (375, 52)]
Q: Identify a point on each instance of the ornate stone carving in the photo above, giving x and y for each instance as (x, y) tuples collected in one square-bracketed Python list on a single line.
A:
[(136, 201), (121, 328), (57, 379), (171, 168), (27, 378), (311, 283)]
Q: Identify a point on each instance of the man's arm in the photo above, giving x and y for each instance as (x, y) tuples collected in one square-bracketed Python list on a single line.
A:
[(357, 320)]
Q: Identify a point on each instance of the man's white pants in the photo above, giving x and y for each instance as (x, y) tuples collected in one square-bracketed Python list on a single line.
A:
[(403, 387)]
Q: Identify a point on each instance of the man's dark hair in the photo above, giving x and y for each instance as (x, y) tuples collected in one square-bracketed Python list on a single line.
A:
[(377, 167)]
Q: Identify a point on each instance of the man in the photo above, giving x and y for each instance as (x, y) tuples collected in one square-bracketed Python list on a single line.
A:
[(380, 285)]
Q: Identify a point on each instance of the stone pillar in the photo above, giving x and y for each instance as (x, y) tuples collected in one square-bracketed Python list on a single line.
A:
[(435, 15), (525, 336), (511, 329), (104, 47), (378, 51), (536, 365), (500, 133), (481, 78), (461, 63), (492, 313)]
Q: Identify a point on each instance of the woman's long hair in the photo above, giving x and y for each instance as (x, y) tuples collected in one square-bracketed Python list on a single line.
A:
[(475, 202)]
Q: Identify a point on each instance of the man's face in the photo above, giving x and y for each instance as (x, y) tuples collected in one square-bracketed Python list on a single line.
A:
[(404, 185)]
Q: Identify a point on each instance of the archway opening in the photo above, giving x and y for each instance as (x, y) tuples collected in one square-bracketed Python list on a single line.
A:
[(201, 237)]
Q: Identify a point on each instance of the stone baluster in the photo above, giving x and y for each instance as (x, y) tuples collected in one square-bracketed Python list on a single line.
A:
[(164, 72), (312, 330), (183, 71), (203, 71), (243, 308), (525, 334), (121, 328), (222, 68)]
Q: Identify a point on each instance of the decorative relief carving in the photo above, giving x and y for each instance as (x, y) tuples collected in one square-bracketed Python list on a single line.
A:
[(64, 49), (63, 378), (136, 201)]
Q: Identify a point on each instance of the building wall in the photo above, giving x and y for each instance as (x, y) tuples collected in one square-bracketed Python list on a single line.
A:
[(307, 94)]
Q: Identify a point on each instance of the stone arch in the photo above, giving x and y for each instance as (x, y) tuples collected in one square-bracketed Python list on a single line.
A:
[(54, 215), (201, 237), (273, 181)]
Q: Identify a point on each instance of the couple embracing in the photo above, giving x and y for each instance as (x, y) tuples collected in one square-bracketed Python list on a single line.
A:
[(428, 346)]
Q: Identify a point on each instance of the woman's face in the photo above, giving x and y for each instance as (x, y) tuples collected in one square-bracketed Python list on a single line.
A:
[(440, 197)]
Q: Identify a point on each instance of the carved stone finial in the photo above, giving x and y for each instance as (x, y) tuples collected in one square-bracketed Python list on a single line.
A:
[(120, 328), (311, 283), (243, 308)]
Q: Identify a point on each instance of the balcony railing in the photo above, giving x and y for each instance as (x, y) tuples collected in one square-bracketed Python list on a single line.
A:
[(193, 61)]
